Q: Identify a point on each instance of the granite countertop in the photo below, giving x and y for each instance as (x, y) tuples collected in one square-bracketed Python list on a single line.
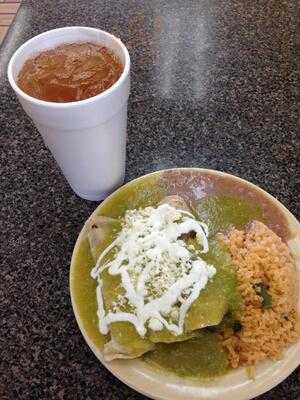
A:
[(213, 85)]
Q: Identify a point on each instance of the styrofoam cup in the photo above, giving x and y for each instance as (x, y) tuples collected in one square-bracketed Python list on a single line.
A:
[(88, 137)]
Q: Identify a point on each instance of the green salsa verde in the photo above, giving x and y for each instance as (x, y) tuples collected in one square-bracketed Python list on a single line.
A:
[(202, 357), (83, 290)]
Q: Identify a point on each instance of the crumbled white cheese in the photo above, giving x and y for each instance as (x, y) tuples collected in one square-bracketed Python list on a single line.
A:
[(156, 267), (155, 324), (174, 314)]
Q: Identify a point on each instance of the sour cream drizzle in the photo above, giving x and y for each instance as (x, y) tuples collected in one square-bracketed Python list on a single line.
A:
[(150, 244)]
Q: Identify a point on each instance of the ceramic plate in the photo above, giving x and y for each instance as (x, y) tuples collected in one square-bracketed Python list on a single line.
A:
[(157, 385)]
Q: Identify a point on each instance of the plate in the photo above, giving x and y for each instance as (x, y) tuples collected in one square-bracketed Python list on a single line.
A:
[(163, 386)]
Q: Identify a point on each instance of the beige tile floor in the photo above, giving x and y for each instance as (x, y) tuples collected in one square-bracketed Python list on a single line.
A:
[(8, 10)]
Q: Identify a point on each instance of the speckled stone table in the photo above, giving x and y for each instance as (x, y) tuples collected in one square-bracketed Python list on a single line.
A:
[(213, 85)]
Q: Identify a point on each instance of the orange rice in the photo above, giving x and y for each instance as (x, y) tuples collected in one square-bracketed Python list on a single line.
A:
[(261, 257)]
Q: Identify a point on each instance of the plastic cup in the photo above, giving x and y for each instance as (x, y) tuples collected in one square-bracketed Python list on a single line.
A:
[(87, 138)]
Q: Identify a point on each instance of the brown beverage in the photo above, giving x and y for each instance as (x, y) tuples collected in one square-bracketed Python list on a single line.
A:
[(70, 72)]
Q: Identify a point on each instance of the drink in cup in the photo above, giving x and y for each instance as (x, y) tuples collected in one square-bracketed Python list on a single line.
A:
[(74, 84)]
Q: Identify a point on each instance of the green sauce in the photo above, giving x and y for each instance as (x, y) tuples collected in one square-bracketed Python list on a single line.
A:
[(220, 296), (140, 194), (202, 357), (83, 289), (221, 212)]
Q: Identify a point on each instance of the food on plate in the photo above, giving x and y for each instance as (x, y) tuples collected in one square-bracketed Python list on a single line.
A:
[(268, 285), (189, 272)]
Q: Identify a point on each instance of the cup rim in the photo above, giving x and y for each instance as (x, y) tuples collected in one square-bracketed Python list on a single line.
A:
[(72, 104)]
